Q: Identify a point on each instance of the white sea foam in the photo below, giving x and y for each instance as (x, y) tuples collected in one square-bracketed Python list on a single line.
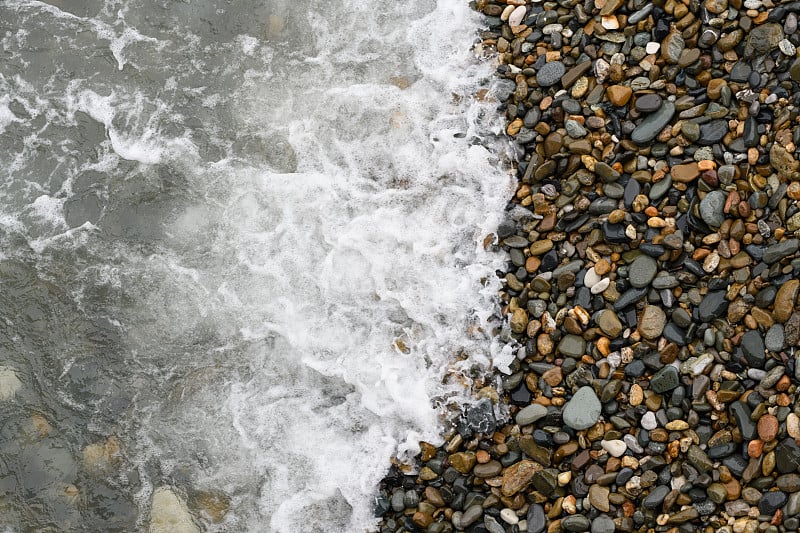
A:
[(277, 238)]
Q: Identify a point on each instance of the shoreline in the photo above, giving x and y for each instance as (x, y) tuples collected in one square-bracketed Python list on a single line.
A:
[(651, 292)]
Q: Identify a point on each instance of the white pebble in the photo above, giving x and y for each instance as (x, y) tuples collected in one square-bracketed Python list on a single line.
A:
[(601, 68), (591, 278), (787, 47), (552, 29), (600, 286), (649, 421), (793, 425), (516, 17), (509, 516), (752, 4), (652, 47), (9, 383), (614, 447)]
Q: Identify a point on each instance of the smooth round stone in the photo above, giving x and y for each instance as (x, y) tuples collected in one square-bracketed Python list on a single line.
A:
[(575, 523), (651, 126), (509, 516), (609, 322), (601, 286), (712, 208), (550, 73), (660, 188), (615, 447), (651, 322), (591, 278), (583, 409), (647, 103), (531, 414), (642, 271), (771, 501), (603, 524), (753, 348), (649, 421), (656, 497), (536, 519), (774, 338)]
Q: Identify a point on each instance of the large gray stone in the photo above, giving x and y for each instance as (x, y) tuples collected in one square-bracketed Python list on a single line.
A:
[(583, 410), (712, 208), (651, 126)]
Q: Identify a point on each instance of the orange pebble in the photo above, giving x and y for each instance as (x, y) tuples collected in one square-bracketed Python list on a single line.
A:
[(754, 448), (483, 457)]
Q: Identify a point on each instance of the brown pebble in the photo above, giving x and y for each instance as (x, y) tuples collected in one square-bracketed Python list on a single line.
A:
[(619, 95), (767, 427)]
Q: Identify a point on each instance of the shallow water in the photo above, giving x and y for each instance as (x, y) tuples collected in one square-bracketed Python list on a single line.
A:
[(240, 247)]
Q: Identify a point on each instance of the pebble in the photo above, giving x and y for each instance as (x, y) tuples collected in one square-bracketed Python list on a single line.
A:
[(582, 410), (169, 513), (531, 414), (642, 271), (652, 322), (712, 208), (550, 73), (10, 384), (651, 126)]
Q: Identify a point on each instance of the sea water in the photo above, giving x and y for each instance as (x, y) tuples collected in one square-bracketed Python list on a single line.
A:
[(241, 254)]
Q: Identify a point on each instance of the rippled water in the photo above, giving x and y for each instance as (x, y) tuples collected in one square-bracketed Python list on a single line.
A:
[(240, 246)]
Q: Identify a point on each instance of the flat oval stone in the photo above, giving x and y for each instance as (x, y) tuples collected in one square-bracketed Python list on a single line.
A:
[(642, 271), (536, 518), (647, 103), (531, 414), (651, 126), (575, 523), (550, 73)]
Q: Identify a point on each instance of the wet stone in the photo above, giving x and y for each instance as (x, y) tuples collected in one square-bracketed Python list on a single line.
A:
[(536, 518), (583, 409), (531, 414), (771, 501), (714, 305), (741, 413), (712, 132), (665, 380), (774, 339), (550, 73), (651, 126), (753, 348), (712, 208), (656, 497), (787, 456), (575, 523), (642, 271), (648, 103)]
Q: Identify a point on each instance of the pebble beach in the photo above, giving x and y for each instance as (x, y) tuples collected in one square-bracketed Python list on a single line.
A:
[(650, 292)]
